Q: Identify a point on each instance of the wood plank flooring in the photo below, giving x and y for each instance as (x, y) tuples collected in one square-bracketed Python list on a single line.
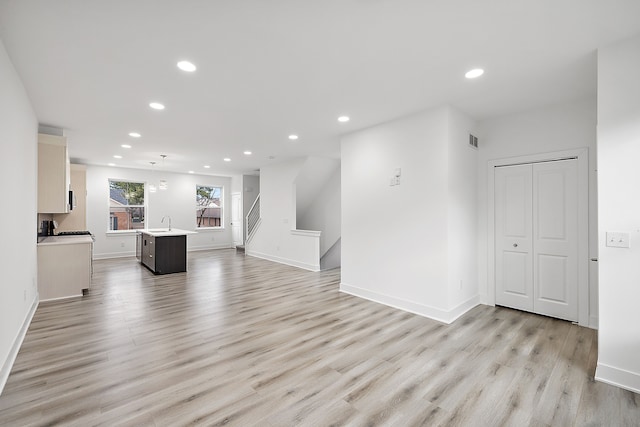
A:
[(242, 341)]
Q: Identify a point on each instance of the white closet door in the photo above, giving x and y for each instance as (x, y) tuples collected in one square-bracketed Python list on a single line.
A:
[(513, 240), (536, 226), (555, 239)]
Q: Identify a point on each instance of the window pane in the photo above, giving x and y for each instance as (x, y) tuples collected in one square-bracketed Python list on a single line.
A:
[(126, 205), (126, 193), (208, 206), (126, 218)]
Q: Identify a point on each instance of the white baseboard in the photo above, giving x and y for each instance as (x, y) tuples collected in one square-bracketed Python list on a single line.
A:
[(61, 298), (593, 322), (444, 316), (210, 247), (17, 343), (286, 261), (618, 377), (110, 255)]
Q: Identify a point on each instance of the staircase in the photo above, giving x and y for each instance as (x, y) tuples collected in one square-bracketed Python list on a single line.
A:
[(302, 219)]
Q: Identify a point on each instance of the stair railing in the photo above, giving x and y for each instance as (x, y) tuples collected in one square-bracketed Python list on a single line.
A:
[(253, 217)]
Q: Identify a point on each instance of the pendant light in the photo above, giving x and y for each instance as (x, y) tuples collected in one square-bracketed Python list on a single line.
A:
[(163, 182), (152, 187)]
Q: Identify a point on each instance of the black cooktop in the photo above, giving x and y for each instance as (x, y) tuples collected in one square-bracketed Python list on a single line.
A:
[(74, 233)]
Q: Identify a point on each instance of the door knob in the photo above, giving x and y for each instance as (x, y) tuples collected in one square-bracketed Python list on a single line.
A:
[(515, 245)]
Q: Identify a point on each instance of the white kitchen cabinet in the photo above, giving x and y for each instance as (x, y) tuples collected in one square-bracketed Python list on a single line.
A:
[(64, 266), (53, 174)]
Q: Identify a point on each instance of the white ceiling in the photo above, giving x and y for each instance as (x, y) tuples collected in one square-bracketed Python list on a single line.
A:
[(269, 68)]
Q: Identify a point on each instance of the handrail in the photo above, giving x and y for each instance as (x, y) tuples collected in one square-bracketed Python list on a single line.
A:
[(253, 217)]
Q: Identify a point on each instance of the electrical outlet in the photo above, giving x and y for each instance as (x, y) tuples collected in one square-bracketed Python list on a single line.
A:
[(122, 244), (617, 240)]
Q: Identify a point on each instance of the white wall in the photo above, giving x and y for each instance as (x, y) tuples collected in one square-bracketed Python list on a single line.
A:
[(310, 182), (275, 238), (550, 129), (178, 201), (619, 211), (323, 209), (18, 178), (395, 239), (462, 210)]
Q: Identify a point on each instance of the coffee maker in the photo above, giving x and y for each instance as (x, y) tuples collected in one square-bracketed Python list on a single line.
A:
[(48, 227)]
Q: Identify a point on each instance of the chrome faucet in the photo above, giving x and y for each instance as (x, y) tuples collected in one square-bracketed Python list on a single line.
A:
[(167, 216)]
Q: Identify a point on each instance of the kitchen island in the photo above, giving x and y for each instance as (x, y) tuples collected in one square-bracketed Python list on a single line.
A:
[(163, 250)]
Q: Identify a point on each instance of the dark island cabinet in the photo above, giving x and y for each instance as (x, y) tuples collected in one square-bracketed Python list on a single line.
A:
[(163, 254)]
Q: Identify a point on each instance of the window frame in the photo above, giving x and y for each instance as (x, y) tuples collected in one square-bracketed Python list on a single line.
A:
[(221, 207), (144, 206)]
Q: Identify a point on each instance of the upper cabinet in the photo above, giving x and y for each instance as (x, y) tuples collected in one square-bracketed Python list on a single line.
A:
[(53, 174)]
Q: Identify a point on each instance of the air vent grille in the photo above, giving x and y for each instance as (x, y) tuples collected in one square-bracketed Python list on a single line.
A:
[(473, 141)]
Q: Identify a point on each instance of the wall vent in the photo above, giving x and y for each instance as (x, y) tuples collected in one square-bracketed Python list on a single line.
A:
[(473, 141)]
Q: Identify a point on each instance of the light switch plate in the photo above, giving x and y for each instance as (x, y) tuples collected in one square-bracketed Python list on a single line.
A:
[(617, 240)]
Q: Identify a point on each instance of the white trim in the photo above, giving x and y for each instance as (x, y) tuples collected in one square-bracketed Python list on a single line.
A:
[(113, 233), (618, 377), (111, 255), (309, 233), (582, 154), (444, 316), (17, 343), (286, 261), (210, 247), (62, 298)]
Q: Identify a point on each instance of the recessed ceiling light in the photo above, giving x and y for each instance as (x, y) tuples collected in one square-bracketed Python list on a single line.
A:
[(247, 153), (472, 74), (226, 159), (125, 146), (134, 134), (293, 137), (186, 66), (207, 166), (111, 164), (156, 106), (191, 172), (343, 119), (117, 156)]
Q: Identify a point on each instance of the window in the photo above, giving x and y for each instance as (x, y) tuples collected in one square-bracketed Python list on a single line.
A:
[(126, 205), (208, 206)]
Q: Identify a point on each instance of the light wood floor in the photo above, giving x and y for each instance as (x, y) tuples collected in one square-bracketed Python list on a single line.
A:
[(242, 341)]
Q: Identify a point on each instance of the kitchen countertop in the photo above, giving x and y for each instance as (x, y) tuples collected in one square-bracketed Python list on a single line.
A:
[(161, 232), (64, 240)]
